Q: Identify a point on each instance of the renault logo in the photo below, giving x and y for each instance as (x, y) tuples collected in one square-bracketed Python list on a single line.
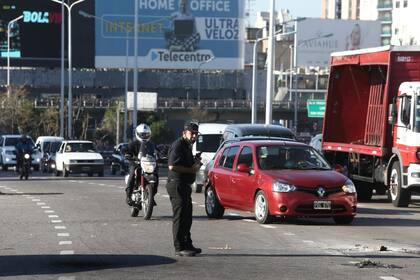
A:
[(320, 191)]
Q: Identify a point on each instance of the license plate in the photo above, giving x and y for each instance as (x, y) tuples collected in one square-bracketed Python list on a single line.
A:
[(323, 204)]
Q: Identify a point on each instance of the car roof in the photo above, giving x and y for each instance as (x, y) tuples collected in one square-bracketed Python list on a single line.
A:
[(13, 136), (270, 142), (260, 129), (77, 141)]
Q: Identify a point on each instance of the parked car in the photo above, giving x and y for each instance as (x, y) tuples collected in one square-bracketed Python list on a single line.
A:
[(278, 178), (208, 141), (76, 156), (8, 152), (118, 161)]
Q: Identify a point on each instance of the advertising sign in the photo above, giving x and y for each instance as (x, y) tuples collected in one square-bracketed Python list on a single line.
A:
[(318, 38), (173, 34), (146, 101), (35, 40)]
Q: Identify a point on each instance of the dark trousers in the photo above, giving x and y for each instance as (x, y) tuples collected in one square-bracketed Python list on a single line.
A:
[(180, 196)]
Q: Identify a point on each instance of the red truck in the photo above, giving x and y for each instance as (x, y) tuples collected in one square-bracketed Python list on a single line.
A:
[(372, 120)]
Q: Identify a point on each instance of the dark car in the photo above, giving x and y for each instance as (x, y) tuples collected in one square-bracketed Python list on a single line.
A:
[(266, 130), (277, 178)]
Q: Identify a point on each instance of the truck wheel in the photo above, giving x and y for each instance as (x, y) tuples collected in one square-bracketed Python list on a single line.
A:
[(364, 191), (399, 196)]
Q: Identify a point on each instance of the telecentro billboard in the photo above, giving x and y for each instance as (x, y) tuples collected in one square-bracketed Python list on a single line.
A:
[(173, 34), (314, 47)]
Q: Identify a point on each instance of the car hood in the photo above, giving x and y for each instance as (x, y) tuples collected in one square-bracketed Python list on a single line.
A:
[(308, 178), (83, 156)]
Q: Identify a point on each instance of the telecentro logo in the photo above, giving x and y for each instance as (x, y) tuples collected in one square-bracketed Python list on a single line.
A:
[(41, 17)]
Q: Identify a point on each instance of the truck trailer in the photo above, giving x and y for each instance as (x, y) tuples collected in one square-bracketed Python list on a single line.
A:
[(372, 120)]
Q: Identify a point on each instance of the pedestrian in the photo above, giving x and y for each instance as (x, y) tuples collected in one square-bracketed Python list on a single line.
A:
[(182, 168)]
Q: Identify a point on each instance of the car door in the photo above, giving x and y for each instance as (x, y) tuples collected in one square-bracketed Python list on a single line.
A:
[(222, 176), (243, 184), (59, 158)]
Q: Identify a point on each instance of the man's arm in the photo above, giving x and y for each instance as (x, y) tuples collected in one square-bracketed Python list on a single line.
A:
[(184, 169)]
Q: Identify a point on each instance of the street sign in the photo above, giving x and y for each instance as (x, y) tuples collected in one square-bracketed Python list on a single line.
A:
[(316, 108)]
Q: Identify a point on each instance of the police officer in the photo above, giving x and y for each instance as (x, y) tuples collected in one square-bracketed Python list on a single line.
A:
[(182, 168)]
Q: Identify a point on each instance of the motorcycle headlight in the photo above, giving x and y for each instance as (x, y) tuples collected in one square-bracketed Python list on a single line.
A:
[(26, 156), (52, 165), (282, 187), (349, 187)]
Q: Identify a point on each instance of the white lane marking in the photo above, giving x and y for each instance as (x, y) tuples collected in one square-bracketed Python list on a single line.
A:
[(165, 195), (52, 216), (65, 243), (202, 205), (60, 227), (45, 207), (91, 183), (289, 233), (121, 188), (19, 192), (40, 203), (14, 190), (101, 184), (56, 221), (49, 211), (249, 220), (233, 214), (67, 278), (388, 278), (194, 202), (63, 234), (308, 241), (35, 200), (268, 226), (67, 252)]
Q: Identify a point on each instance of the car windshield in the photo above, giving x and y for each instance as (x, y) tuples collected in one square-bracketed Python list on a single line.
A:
[(208, 143), (417, 116), (80, 147), (292, 157), (51, 147), (13, 141)]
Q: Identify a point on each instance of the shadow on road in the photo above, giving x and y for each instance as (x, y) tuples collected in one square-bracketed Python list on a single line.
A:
[(59, 264)]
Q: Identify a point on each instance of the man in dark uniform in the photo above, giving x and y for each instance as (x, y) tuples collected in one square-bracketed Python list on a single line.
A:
[(182, 168)]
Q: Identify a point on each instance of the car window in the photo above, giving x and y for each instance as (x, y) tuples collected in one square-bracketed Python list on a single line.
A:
[(223, 157), (230, 157), (80, 148), (11, 141), (1, 141), (246, 157)]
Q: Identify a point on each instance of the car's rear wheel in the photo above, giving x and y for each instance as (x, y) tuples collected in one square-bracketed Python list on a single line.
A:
[(262, 214), (343, 220), (213, 207)]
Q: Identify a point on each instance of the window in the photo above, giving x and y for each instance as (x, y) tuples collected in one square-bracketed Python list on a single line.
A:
[(397, 4), (405, 110), (223, 157), (396, 31), (230, 157), (405, 3), (246, 157)]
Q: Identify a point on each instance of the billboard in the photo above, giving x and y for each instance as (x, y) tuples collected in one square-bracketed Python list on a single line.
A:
[(35, 40), (318, 38), (173, 34)]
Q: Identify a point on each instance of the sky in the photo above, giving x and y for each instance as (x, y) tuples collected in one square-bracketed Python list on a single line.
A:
[(297, 8)]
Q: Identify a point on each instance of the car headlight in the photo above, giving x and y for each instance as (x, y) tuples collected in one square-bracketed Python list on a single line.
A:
[(349, 187), (283, 187)]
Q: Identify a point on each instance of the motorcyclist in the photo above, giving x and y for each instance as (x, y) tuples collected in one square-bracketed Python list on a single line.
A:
[(143, 145), (24, 146)]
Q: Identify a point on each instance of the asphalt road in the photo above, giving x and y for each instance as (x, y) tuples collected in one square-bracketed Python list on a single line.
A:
[(80, 228)]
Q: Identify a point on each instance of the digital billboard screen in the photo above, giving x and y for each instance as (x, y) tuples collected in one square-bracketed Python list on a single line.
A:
[(35, 39), (172, 34)]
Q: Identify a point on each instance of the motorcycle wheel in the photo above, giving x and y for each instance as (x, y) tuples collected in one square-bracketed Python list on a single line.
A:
[(147, 203), (134, 211)]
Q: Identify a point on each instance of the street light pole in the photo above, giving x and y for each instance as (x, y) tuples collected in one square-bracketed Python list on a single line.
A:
[(9, 26), (199, 76), (270, 67), (136, 66), (70, 98), (62, 73), (254, 78), (87, 15)]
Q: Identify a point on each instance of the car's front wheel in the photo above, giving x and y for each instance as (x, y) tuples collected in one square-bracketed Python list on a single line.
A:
[(213, 207), (262, 214)]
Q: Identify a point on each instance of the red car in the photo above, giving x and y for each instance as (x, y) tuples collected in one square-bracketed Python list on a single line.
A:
[(278, 178)]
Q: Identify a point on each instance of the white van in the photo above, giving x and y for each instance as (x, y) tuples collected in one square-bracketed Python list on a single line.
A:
[(46, 143), (208, 141)]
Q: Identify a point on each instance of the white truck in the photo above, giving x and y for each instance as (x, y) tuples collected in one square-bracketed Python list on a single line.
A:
[(77, 156)]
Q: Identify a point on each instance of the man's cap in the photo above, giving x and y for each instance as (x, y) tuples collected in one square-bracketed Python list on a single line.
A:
[(193, 127)]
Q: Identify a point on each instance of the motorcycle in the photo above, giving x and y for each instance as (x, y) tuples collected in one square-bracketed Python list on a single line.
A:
[(144, 180), (48, 163), (26, 165)]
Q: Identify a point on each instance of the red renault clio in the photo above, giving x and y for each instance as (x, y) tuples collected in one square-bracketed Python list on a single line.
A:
[(278, 178)]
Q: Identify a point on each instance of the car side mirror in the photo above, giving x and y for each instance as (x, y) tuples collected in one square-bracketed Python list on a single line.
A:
[(392, 114), (244, 168)]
